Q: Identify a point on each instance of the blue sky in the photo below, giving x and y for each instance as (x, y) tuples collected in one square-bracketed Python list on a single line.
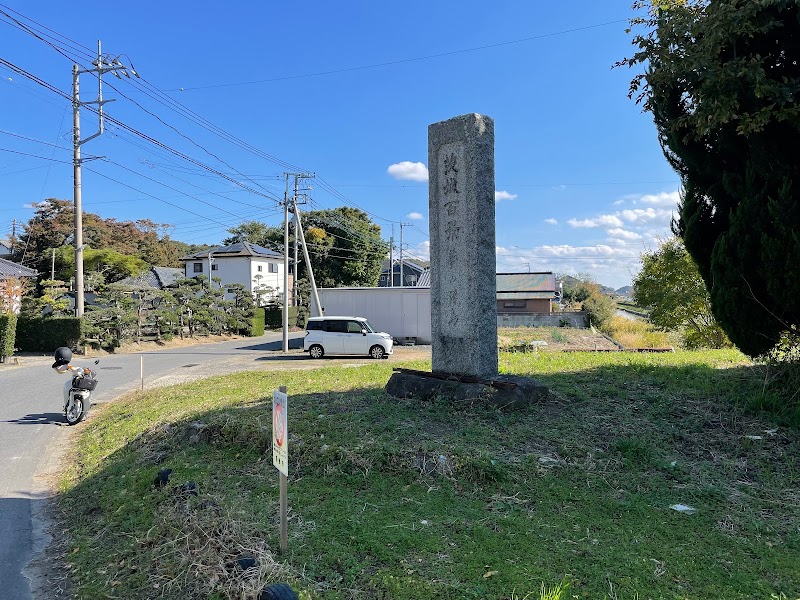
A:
[(582, 185)]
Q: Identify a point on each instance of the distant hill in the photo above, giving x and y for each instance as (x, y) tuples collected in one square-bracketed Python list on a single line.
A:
[(626, 291), (571, 283)]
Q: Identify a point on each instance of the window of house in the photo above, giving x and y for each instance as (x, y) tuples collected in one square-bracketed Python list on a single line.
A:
[(260, 268), (214, 267), (273, 267), (514, 304), (198, 267)]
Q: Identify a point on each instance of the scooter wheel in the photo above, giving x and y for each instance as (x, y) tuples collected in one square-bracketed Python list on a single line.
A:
[(75, 411)]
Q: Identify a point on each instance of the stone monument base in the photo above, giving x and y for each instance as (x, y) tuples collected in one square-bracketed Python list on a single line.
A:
[(502, 391)]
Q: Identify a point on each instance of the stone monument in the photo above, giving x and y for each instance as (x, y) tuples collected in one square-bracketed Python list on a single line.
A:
[(462, 224), (463, 280)]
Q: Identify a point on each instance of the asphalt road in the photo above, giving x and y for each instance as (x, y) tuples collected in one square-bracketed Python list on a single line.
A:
[(33, 431)]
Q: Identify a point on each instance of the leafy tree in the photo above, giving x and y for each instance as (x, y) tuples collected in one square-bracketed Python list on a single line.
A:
[(51, 301), (345, 246), (111, 264), (670, 284), (722, 83), (258, 233), (599, 308), (52, 227)]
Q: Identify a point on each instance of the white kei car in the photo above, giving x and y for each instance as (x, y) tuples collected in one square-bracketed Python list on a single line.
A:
[(345, 335)]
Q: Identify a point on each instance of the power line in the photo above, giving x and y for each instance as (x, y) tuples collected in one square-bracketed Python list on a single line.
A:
[(404, 60)]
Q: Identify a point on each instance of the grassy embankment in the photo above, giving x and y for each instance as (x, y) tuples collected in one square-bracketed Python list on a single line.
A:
[(397, 499)]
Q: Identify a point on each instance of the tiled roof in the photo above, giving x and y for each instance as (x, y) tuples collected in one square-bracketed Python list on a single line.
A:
[(155, 277), (12, 269), (239, 249), (526, 282), (168, 275)]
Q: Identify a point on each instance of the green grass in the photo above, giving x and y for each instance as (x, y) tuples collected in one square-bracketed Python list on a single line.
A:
[(409, 500)]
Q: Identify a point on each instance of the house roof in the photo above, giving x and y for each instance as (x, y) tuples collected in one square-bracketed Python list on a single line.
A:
[(238, 249), (414, 263), (526, 282), (12, 269), (155, 277)]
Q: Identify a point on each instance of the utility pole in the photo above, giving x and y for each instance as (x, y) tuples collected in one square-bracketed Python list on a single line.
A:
[(286, 202), (13, 236), (286, 265), (314, 294), (402, 280), (103, 64), (391, 258)]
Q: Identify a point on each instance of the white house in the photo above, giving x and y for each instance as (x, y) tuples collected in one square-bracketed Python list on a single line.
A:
[(250, 265)]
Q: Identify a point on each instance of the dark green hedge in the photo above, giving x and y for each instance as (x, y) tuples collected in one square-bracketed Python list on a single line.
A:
[(43, 334), (274, 317), (257, 323), (8, 328)]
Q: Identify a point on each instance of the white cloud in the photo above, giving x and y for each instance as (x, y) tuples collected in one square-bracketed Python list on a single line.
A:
[(551, 221), (641, 216), (503, 195), (415, 216), (664, 199), (624, 234), (618, 202), (601, 221), (407, 170), (610, 264), (31, 205), (559, 188)]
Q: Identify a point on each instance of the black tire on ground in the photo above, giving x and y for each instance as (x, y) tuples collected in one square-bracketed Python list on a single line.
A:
[(377, 352), (77, 413), (278, 591), (316, 351)]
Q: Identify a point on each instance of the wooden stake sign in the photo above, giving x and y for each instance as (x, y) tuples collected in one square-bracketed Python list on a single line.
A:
[(280, 456)]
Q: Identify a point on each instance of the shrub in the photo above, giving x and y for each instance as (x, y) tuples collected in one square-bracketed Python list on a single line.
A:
[(8, 329), (42, 334), (599, 308), (273, 316), (257, 323)]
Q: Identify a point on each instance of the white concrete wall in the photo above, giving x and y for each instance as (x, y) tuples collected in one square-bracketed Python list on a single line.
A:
[(402, 312)]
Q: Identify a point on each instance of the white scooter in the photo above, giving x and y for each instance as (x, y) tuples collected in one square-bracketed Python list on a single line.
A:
[(78, 390)]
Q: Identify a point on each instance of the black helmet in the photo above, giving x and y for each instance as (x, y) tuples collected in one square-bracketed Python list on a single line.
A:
[(62, 355)]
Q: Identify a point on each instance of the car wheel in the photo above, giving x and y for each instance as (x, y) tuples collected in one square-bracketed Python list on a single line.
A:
[(316, 351), (377, 352)]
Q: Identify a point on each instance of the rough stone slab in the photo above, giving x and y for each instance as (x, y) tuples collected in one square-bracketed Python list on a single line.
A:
[(526, 393), (462, 229)]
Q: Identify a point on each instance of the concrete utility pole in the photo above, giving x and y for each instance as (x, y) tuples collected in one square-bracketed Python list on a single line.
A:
[(314, 294), (103, 64), (402, 280), (286, 265), (391, 258), (286, 202)]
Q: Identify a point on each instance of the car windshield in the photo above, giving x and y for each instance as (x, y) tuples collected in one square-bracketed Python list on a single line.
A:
[(368, 327)]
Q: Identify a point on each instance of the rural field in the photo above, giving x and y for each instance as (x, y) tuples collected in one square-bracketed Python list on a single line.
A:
[(399, 499)]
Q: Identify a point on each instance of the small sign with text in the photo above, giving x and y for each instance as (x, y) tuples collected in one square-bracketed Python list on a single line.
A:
[(280, 433)]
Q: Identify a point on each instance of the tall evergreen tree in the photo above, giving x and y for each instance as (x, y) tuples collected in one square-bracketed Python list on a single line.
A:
[(722, 81)]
